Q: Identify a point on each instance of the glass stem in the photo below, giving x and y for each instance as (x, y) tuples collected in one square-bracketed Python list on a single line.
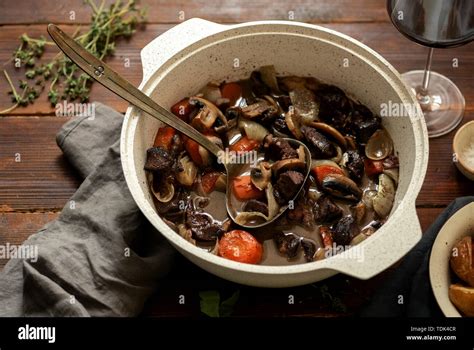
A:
[(423, 93)]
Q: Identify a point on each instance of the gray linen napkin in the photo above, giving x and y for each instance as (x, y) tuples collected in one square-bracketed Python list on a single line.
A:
[(100, 257)]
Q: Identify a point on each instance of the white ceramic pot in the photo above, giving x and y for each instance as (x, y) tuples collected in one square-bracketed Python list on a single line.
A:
[(179, 62)]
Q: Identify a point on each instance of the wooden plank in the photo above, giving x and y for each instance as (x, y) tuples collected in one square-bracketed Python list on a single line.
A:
[(34, 175), (188, 280), (163, 11), (15, 228), (382, 37)]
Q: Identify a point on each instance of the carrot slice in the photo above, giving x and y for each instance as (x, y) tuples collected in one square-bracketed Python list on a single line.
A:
[(244, 189), (373, 167), (164, 137), (192, 147), (231, 91), (244, 145), (241, 246), (321, 171), (183, 109), (208, 181)]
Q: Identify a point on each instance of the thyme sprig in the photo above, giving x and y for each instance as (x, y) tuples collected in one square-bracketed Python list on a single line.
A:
[(61, 77)]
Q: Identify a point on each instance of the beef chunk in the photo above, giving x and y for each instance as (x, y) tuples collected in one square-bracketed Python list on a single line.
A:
[(278, 149), (326, 210), (288, 184), (158, 159), (345, 230), (354, 165), (287, 243), (309, 249), (321, 146), (302, 213), (362, 127), (202, 225), (279, 124), (256, 205), (335, 106)]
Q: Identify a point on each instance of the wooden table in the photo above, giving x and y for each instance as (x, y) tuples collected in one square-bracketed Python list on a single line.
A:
[(33, 191)]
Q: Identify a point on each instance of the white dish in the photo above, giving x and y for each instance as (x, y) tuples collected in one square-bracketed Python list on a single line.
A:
[(458, 226), (182, 60)]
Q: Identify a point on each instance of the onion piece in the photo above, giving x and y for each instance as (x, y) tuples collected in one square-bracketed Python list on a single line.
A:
[(253, 130)]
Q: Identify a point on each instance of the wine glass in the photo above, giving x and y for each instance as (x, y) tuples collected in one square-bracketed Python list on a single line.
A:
[(436, 24)]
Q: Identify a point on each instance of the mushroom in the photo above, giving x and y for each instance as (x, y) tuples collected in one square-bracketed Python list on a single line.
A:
[(166, 188), (188, 173), (293, 122), (288, 164), (379, 146), (261, 108), (261, 176), (341, 186), (330, 131), (383, 200), (243, 218), (207, 114)]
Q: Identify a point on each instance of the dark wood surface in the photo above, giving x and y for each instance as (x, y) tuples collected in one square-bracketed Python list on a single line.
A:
[(33, 191)]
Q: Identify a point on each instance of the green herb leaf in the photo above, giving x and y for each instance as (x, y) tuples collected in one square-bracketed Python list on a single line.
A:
[(227, 306), (210, 302)]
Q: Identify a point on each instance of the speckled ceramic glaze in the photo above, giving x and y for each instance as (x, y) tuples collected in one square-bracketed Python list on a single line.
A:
[(182, 60), (458, 226)]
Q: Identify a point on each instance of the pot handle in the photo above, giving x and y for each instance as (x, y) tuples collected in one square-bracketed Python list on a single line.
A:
[(162, 48), (368, 260)]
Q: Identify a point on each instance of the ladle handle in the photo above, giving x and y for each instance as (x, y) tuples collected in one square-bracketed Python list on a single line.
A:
[(106, 76)]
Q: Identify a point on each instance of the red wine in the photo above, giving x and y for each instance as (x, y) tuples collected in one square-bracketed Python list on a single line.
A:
[(434, 23)]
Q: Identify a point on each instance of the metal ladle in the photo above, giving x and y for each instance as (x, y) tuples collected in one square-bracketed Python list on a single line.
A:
[(106, 76)]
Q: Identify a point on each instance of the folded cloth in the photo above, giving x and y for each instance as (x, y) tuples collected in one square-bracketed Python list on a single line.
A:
[(100, 257), (407, 291)]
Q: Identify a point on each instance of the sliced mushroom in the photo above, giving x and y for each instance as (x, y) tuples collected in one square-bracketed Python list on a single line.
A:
[(247, 217), (330, 131), (261, 176), (338, 157), (379, 146), (166, 189), (207, 115), (383, 200), (293, 122), (189, 170), (305, 105), (341, 186), (288, 164), (261, 108)]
